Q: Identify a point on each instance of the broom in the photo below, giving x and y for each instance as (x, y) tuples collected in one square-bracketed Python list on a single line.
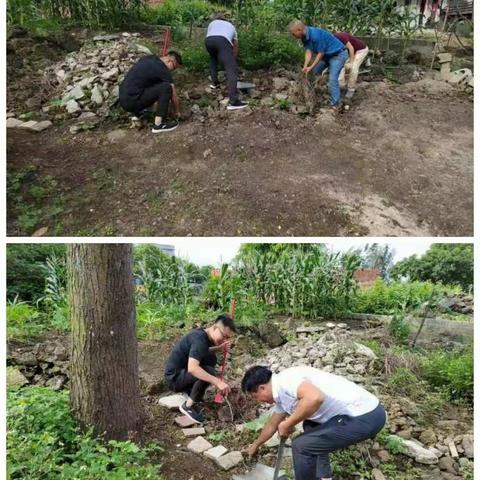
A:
[(219, 397)]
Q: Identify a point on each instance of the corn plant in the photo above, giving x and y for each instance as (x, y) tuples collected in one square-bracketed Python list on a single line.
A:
[(300, 280), (90, 13)]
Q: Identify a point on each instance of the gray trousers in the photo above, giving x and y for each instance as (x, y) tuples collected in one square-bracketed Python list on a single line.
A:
[(221, 51), (311, 449)]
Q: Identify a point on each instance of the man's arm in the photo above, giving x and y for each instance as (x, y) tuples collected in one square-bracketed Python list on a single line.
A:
[(308, 58), (351, 51), (316, 61), (310, 398), (198, 372), (235, 47), (267, 432)]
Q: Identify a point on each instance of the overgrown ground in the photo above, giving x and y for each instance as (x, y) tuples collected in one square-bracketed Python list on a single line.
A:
[(400, 162), (405, 398)]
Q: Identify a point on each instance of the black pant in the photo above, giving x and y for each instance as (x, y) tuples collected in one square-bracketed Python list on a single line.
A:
[(161, 93), (311, 449), (185, 382), (221, 50)]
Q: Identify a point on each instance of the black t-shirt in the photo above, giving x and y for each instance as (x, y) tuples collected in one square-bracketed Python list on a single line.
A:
[(195, 344), (148, 71)]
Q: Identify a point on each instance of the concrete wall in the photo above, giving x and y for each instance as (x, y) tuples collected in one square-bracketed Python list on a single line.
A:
[(434, 330)]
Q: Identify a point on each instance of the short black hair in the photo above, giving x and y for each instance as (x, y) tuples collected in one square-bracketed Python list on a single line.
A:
[(177, 56), (254, 377), (226, 321)]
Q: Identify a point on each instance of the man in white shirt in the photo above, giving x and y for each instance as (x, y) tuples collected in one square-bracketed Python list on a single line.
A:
[(222, 45), (335, 412)]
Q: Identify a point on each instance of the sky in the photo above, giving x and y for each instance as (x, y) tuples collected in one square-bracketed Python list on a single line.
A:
[(214, 251)]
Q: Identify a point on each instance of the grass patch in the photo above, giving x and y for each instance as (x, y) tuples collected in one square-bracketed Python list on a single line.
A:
[(43, 441)]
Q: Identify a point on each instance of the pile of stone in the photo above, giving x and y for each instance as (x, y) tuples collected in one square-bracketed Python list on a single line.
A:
[(87, 81), (461, 303), (44, 364), (330, 347)]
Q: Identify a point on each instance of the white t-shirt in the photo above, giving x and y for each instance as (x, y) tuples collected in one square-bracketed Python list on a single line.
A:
[(222, 28), (342, 397)]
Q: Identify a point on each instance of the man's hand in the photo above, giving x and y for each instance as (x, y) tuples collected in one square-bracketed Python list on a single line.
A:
[(223, 387), (285, 429), (307, 70), (250, 451), (348, 66)]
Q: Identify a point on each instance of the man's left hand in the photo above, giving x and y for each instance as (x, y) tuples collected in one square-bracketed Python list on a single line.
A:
[(285, 429)]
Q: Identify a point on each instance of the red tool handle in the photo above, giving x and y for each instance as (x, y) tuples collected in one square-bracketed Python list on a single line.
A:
[(166, 41)]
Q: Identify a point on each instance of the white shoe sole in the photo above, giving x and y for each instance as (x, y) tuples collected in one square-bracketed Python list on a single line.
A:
[(231, 107), (187, 415), (164, 131)]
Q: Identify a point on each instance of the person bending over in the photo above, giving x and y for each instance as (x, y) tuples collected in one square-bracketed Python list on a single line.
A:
[(335, 412), (149, 82)]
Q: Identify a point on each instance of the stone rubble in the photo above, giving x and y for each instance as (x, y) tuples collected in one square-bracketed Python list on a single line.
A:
[(88, 80)]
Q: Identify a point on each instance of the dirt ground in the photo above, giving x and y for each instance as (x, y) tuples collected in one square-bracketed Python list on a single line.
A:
[(399, 163)]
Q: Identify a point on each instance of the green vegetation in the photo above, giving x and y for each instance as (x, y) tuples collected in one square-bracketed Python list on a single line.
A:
[(34, 200), (46, 15), (387, 298), (452, 372), (43, 441), (446, 263)]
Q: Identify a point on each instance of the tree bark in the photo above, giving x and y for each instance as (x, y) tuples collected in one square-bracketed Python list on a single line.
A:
[(105, 390)]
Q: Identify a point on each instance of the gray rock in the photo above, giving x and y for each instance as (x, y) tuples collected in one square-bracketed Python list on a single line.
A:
[(428, 437), (229, 460), (199, 445), (111, 74), (15, 378), (364, 351), (448, 464), (172, 401), (143, 49), (193, 432), (14, 123), (76, 92), (56, 382), (280, 83), (105, 38), (27, 358), (467, 443), (215, 452), (72, 106), (418, 452), (96, 95), (377, 474)]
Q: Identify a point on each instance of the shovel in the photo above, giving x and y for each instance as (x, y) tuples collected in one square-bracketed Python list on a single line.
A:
[(219, 397), (278, 463)]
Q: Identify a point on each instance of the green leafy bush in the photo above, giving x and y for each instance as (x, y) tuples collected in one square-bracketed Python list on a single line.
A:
[(24, 320), (399, 329), (43, 441), (195, 58), (451, 372), (262, 48), (388, 298)]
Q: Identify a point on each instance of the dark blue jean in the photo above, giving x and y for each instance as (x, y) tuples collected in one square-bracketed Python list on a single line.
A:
[(311, 449), (335, 64)]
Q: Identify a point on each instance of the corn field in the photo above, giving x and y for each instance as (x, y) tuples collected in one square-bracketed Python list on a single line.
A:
[(89, 13), (299, 280)]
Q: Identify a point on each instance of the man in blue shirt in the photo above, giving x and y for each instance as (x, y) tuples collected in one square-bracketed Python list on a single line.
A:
[(330, 52)]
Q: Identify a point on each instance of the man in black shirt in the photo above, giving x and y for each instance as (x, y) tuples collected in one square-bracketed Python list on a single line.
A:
[(149, 81), (190, 367)]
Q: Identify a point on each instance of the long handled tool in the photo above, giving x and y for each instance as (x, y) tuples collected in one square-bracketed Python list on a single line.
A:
[(278, 463), (219, 397)]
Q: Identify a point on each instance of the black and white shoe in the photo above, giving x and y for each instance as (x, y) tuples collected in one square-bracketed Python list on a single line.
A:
[(165, 127), (236, 105), (191, 413), (214, 86)]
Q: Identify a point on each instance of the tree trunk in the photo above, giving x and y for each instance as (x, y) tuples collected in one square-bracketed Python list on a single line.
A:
[(105, 390)]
